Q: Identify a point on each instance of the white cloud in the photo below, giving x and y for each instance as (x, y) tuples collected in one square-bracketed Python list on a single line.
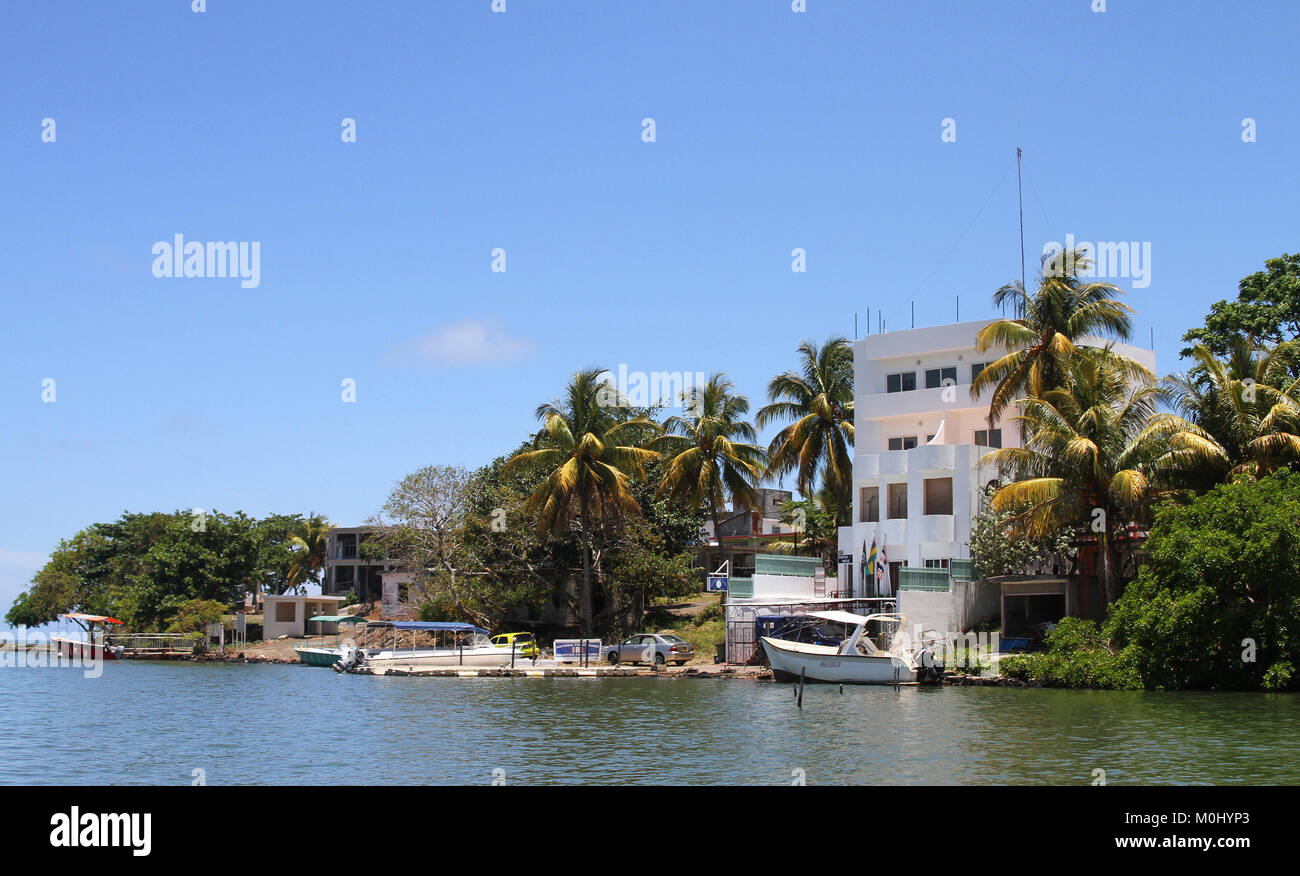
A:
[(468, 342)]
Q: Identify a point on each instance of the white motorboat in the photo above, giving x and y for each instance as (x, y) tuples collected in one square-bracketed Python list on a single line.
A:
[(455, 645), (858, 659)]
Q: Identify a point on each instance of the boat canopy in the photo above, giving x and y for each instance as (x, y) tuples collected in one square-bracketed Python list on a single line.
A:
[(429, 626), (92, 618), (337, 619), (840, 617)]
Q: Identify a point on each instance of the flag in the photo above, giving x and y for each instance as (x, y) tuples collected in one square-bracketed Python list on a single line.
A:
[(868, 566), (882, 571)]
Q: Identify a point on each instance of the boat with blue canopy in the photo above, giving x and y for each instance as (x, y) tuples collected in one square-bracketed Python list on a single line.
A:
[(446, 644)]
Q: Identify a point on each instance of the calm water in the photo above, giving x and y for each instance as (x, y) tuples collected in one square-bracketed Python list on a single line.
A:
[(155, 723)]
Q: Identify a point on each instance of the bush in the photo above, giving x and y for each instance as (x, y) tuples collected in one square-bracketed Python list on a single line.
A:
[(1077, 656)]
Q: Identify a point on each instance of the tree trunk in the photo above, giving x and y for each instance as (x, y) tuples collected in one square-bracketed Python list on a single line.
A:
[(1106, 572), (586, 597)]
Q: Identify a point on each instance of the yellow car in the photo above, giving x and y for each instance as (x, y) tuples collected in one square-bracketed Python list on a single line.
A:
[(525, 644)]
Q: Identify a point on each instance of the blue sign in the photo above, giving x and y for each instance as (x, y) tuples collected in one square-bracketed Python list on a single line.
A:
[(717, 582)]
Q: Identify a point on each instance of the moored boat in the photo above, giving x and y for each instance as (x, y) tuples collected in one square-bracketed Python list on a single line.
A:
[(856, 660), (455, 645), (326, 655), (88, 648)]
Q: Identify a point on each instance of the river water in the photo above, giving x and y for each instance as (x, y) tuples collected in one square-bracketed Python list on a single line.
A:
[(177, 723)]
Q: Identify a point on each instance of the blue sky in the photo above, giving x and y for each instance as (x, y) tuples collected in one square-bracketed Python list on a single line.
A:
[(522, 130)]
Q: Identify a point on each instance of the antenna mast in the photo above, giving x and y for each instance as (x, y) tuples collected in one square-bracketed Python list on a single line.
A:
[(1020, 189)]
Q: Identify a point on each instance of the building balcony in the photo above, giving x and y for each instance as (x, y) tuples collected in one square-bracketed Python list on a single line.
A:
[(881, 405), (934, 528)]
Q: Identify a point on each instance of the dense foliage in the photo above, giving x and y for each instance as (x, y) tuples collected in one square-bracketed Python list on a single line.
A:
[(145, 569), (1267, 308), (1077, 656), (1217, 605)]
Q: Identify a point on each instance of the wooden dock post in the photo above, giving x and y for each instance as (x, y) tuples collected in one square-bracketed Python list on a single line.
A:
[(802, 670)]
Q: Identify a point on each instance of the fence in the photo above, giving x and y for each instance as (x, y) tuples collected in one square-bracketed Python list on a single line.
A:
[(923, 579)]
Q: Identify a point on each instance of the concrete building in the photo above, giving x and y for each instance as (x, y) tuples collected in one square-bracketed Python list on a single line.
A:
[(346, 571), (744, 531), (287, 615), (917, 482)]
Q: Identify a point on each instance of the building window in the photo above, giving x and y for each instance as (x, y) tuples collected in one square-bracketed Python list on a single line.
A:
[(905, 443), (904, 381), (988, 437), (936, 564), (898, 501), (976, 368), (285, 612), (938, 495), (869, 501), (935, 377)]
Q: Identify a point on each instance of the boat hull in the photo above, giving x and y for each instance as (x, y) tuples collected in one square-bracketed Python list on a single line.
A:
[(439, 658), (789, 664), (319, 656)]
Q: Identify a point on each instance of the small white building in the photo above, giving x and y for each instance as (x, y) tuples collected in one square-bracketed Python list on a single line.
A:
[(917, 482), (287, 615)]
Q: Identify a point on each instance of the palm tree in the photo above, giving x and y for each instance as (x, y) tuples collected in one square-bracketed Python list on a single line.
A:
[(709, 451), (1248, 401), (819, 399), (308, 540), (1097, 453), (816, 529), (592, 442), (1042, 339)]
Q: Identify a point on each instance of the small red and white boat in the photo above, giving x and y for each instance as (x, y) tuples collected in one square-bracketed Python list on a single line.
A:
[(88, 648)]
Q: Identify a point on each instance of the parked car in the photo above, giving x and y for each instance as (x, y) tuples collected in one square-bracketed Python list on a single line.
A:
[(525, 644), (635, 649)]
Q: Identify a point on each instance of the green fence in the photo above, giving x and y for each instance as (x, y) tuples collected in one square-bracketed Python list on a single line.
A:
[(964, 570), (741, 588), (923, 579), (769, 564)]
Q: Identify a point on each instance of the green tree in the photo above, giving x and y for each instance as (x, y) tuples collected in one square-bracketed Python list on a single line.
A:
[(594, 448), (1217, 604), (816, 531), (818, 398), (709, 452), (1045, 335), (1097, 453), (1267, 308), (999, 549)]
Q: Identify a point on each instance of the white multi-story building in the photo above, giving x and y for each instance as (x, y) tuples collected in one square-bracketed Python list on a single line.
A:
[(919, 435)]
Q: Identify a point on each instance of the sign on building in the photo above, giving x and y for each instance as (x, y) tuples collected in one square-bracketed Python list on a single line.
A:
[(717, 583)]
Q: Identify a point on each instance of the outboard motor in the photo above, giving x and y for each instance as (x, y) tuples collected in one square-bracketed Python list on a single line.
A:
[(929, 669), (351, 658)]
